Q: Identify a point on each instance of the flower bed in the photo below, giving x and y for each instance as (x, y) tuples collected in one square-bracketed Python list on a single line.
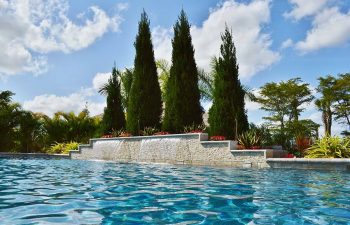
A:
[(161, 133), (217, 138), (107, 136)]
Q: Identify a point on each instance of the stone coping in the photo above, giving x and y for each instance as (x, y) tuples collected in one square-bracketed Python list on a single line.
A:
[(201, 136), (307, 160), (32, 155), (310, 164)]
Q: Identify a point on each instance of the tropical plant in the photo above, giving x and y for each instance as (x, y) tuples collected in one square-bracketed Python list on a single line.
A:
[(164, 74), (182, 106), (145, 103), (63, 148), (330, 147), (11, 115), (250, 139), (66, 127), (113, 116), (284, 100), (126, 81), (148, 131), (227, 115), (194, 128)]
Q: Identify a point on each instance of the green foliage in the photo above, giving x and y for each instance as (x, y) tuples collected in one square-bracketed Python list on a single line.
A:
[(194, 128), (164, 74), (145, 104), (10, 114), (250, 139), (334, 100), (66, 127), (126, 82), (148, 131), (264, 133), (113, 116), (342, 104), (62, 148), (227, 116), (182, 107), (206, 85), (284, 100), (330, 147)]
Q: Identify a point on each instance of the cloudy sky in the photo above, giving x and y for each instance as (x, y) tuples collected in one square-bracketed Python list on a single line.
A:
[(55, 54)]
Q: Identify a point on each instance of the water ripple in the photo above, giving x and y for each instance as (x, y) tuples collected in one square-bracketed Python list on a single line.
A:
[(86, 192)]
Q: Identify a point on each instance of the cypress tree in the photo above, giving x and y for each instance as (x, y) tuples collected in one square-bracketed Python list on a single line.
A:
[(113, 116), (227, 114), (182, 106), (144, 104)]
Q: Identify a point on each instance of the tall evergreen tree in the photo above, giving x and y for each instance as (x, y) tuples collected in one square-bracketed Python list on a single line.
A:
[(182, 106), (227, 115), (113, 116), (144, 104)]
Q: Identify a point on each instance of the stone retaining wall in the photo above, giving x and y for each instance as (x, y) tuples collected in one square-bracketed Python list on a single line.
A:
[(192, 149)]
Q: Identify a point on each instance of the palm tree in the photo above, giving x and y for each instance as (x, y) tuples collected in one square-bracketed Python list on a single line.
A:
[(324, 104)]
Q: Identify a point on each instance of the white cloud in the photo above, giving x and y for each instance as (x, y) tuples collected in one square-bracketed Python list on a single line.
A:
[(330, 28), (245, 20), (30, 29), (122, 6), (100, 79), (74, 102), (287, 43), (303, 8)]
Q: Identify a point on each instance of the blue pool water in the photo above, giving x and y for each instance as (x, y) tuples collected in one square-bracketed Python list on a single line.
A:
[(85, 192)]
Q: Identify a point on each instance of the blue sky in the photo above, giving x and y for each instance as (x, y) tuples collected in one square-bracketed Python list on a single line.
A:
[(57, 53)]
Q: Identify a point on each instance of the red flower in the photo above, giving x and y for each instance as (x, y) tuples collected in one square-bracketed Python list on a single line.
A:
[(107, 136), (289, 155), (217, 138)]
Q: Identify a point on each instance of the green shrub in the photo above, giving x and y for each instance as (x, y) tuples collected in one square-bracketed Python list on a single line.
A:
[(194, 128), (62, 148), (330, 147), (149, 131), (249, 139)]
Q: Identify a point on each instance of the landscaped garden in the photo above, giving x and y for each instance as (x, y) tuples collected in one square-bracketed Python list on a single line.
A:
[(155, 98), (154, 155)]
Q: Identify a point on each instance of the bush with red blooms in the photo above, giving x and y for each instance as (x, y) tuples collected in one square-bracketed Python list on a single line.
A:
[(161, 133), (289, 155), (107, 136), (125, 134), (217, 138)]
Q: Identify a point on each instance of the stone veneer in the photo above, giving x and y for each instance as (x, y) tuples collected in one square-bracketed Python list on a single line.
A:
[(191, 149)]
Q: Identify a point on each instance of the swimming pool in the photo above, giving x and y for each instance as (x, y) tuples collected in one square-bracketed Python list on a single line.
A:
[(86, 192)]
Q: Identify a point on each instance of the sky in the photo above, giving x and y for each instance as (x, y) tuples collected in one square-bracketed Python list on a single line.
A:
[(55, 54)]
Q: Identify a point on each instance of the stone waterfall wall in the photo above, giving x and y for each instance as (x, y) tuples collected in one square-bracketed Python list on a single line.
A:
[(192, 149)]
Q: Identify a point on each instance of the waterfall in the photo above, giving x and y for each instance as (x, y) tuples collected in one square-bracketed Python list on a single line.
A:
[(107, 149), (158, 149)]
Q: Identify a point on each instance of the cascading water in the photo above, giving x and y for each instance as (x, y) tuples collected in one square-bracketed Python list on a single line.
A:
[(106, 149), (162, 149)]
